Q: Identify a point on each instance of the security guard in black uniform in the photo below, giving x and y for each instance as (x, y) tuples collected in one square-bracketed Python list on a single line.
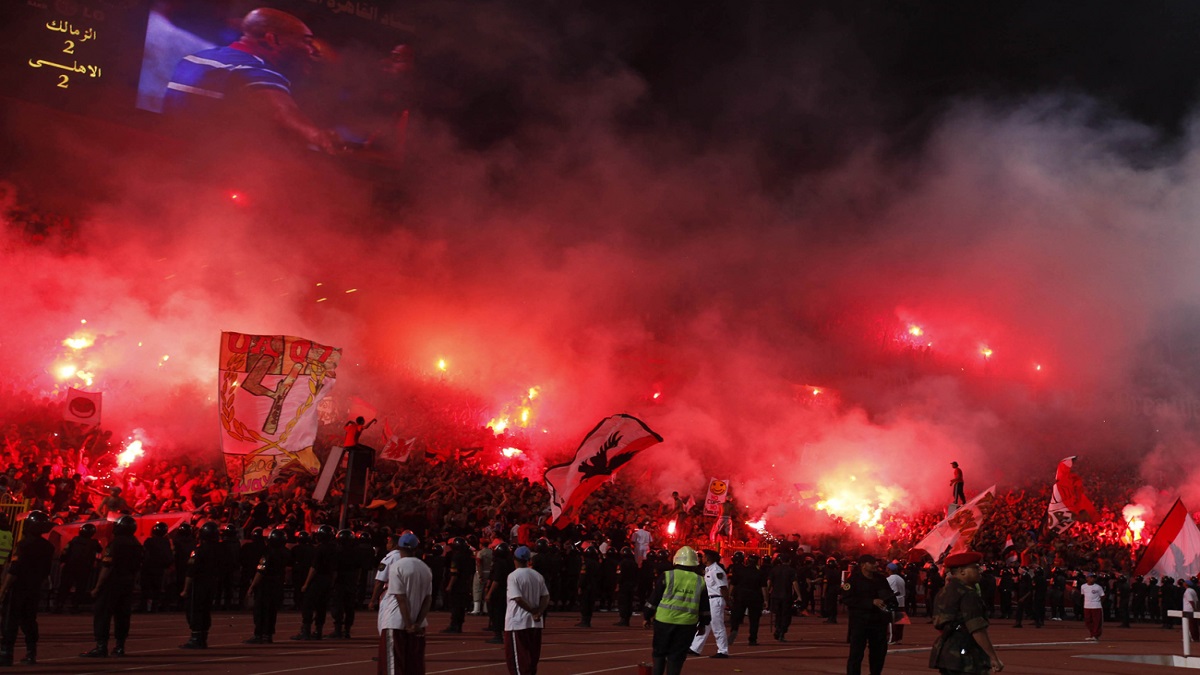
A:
[(302, 559), (748, 582), (78, 565), (200, 586), (114, 589), (458, 583), (627, 583), (345, 590), (183, 542), (154, 567), (586, 585), (22, 588), (870, 601), (495, 594), (317, 586), (266, 588), (228, 565)]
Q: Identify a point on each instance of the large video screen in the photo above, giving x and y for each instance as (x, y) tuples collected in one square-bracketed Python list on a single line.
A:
[(116, 59)]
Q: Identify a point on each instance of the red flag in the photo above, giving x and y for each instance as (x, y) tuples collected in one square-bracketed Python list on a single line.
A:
[(612, 444), (955, 532), (1068, 503), (1175, 549)]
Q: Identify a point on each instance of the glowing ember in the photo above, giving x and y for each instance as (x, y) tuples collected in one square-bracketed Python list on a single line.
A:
[(915, 330), (850, 503), (511, 452), (987, 353), (816, 392), (657, 394), (1037, 366), (441, 365), (131, 452), (1134, 523), (671, 528), (66, 372), (81, 342), (498, 425), (533, 392), (759, 525)]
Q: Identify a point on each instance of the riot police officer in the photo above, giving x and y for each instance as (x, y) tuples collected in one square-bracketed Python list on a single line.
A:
[(22, 587), (317, 586), (247, 557), (458, 583), (302, 559), (627, 582), (345, 591), (748, 581), (228, 565), (266, 588), (155, 565), (183, 542), (495, 596), (587, 582), (200, 586), (114, 589), (78, 564)]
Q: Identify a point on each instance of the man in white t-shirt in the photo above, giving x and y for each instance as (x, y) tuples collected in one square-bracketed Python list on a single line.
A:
[(641, 543), (1191, 603), (528, 599), (1093, 607), (402, 632), (386, 604), (899, 588)]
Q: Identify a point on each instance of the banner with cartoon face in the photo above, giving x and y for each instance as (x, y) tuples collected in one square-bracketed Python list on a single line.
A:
[(718, 492), (269, 393)]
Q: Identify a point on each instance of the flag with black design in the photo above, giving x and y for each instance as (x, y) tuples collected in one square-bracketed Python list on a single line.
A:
[(611, 445), (83, 407)]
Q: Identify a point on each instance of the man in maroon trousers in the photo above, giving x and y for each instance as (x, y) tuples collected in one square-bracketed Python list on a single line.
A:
[(528, 599), (403, 612)]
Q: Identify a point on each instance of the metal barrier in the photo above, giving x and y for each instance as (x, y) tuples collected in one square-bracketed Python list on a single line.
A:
[(11, 510)]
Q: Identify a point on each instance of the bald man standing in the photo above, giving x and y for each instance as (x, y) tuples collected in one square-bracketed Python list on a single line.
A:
[(251, 79)]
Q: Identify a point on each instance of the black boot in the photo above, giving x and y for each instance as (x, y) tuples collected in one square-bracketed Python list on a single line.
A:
[(30, 656), (304, 634), (119, 650), (98, 652), (196, 641)]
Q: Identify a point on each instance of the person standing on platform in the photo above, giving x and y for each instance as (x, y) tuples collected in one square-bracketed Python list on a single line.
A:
[(870, 602), (679, 609), (717, 583), (200, 586), (1093, 607), (403, 612), (21, 588), (964, 645), (114, 588), (354, 430), (959, 495), (266, 588), (896, 582), (783, 586), (528, 598)]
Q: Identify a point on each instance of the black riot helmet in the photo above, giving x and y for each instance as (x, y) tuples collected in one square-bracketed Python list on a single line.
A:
[(228, 533), (363, 535), (125, 526), (626, 551), (256, 534), (38, 522), (324, 534), (184, 530), (277, 538), (345, 537), (159, 529), (210, 531), (739, 557), (303, 537), (87, 530), (459, 543), (502, 550)]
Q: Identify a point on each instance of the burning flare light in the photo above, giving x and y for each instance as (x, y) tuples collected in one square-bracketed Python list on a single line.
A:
[(511, 452), (131, 453), (671, 528), (759, 525), (1134, 523), (850, 504)]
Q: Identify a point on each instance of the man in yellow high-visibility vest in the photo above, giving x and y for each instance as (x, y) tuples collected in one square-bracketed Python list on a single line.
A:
[(679, 610)]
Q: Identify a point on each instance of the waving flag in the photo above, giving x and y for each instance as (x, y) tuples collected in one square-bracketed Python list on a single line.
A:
[(611, 445), (269, 390), (83, 407), (395, 447), (1175, 549), (954, 533), (1068, 503)]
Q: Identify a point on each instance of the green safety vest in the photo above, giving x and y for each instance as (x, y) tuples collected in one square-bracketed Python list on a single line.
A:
[(679, 604), (6, 546)]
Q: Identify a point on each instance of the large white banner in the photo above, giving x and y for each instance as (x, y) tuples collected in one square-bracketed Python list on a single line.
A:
[(269, 390)]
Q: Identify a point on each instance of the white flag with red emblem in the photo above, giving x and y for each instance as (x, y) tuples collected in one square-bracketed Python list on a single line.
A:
[(1175, 549), (83, 407), (954, 533), (611, 445)]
